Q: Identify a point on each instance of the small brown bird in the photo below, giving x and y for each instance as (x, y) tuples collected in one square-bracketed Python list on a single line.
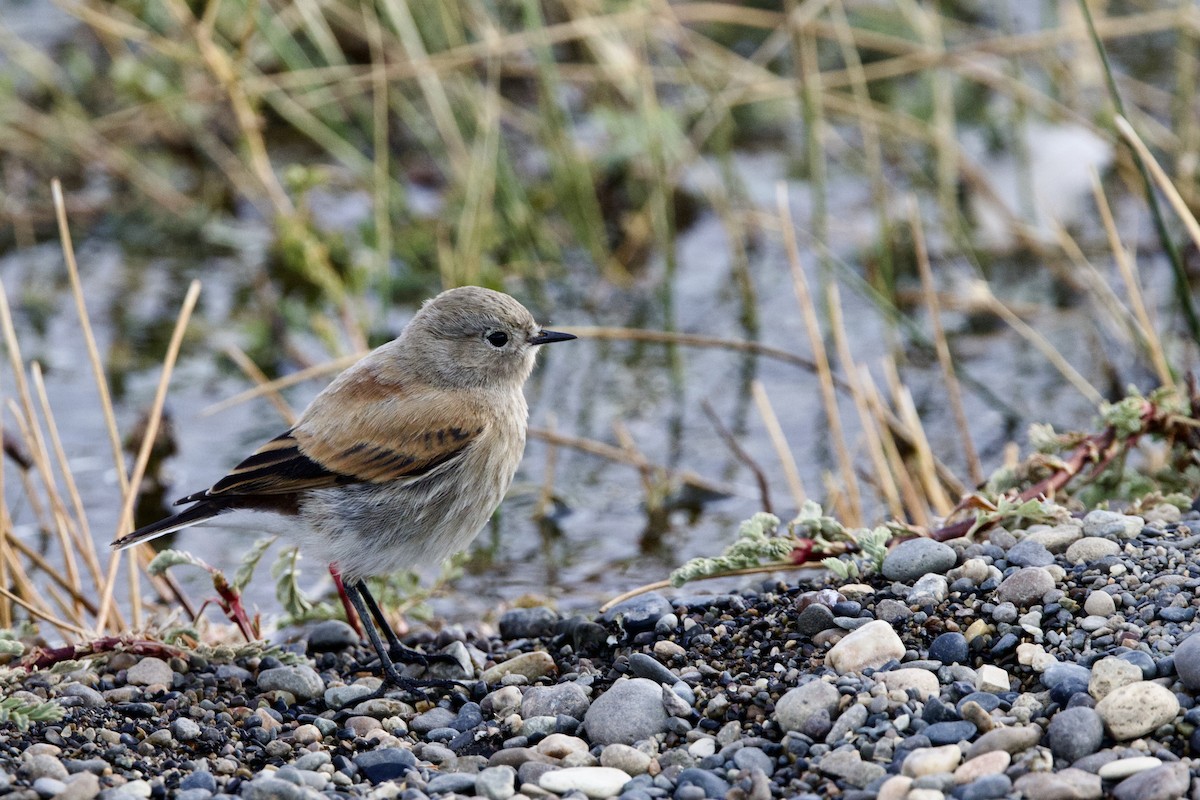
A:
[(400, 460)]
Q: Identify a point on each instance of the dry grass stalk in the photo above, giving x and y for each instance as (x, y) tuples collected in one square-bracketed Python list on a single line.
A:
[(942, 346), (808, 313), (1146, 331), (1160, 178), (153, 418), (778, 441), (883, 477)]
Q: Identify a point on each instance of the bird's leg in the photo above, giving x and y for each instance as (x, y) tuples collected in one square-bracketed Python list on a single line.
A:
[(397, 650), (355, 592)]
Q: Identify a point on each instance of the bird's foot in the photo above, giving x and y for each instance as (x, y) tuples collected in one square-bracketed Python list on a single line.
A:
[(409, 656), (393, 679)]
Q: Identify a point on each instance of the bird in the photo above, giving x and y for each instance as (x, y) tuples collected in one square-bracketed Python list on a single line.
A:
[(399, 461)]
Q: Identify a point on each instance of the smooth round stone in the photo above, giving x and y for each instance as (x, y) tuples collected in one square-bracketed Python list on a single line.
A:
[(928, 590), (871, 646), (1167, 782), (814, 619), (1067, 784), (931, 760), (330, 635), (302, 682), (754, 758), (992, 763), (150, 671), (385, 764), (1091, 548), (1124, 767), (628, 759), (1056, 539), (629, 711), (550, 701), (1111, 673), (1137, 709), (1100, 604), (989, 787), (532, 666), (451, 783), (1014, 739), (1177, 614), (1187, 662), (949, 648), (645, 666), (797, 706), (593, 781), (1112, 525), (1025, 587), (848, 765), (922, 680), (1074, 733), (914, 558), (638, 614), (712, 784), (986, 700), (496, 783), (941, 733), (1029, 553), (527, 623), (1143, 662), (1064, 671)]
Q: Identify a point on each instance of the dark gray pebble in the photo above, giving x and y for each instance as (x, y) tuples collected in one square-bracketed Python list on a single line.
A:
[(712, 785), (814, 619), (949, 648), (1074, 733), (201, 779), (988, 787), (1029, 553), (638, 614), (385, 764), (528, 623), (645, 666), (940, 733), (915, 558), (451, 783), (332, 634)]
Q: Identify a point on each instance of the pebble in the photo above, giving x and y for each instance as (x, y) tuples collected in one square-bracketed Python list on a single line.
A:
[(631, 710), (981, 766), (871, 646), (1058, 538), (1100, 604), (1187, 662), (302, 682), (1067, 784), (1166, 782), (645, 666), (1074, 733), (1137, 709), (1030, 553), (797, 706), (1090, 549), (924, 682), (527, 623), (950, 648), (1025, 587), (848, 765), (639, 614), (1013, 740), (150, 671), (1111, 673), (385, 764), (630, 760), (931, 760), (1112, 525), (496, 783), (914, 558), (597, 782), (331, 635), (567, 699), (1124, 767), (532, 666)]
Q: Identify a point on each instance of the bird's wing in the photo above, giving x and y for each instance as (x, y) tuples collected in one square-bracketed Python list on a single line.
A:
[(382, 440)]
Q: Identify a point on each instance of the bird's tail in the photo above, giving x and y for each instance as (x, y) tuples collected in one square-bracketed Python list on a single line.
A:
[(197, 513)]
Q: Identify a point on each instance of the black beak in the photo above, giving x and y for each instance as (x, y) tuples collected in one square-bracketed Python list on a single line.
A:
[(546, 337)]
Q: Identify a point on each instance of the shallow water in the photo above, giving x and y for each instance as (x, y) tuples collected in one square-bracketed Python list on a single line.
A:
[(600, 544)]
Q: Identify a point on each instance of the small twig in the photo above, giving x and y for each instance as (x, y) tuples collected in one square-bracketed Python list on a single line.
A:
[(740, 453), (48, 657)]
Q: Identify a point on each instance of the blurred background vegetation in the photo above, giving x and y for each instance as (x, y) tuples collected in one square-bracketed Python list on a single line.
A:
[(647, 171)]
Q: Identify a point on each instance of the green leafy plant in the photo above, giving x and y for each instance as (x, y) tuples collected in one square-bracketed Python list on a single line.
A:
[(24, 713)]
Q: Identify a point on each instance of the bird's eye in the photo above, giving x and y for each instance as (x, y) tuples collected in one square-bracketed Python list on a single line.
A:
[(497, 338)]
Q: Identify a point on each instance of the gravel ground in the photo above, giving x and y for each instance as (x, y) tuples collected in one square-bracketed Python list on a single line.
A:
[(1053, 662)]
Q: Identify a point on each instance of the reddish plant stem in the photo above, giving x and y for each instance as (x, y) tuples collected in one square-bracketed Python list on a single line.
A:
[(351, 616), (231, 604), (41, 658)]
